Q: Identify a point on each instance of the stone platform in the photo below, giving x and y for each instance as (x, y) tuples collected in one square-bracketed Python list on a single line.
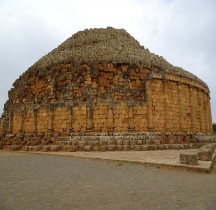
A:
[(149, 148), (118, 141), (158, 158)]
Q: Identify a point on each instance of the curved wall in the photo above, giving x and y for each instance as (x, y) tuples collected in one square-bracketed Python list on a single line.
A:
[(106, 98)]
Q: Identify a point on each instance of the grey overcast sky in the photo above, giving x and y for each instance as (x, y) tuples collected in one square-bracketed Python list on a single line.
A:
[(182, 31)]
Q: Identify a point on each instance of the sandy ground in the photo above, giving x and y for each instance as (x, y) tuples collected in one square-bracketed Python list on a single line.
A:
[(35, 181)]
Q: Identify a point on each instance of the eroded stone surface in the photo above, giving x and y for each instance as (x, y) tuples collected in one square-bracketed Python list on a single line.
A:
[(188, 158), (102, 90), (206, 152)]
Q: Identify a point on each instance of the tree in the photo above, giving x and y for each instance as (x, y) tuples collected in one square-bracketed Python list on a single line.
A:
[(214, 127)]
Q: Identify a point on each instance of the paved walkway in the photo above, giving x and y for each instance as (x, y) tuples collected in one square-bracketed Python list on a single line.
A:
[(50, 182)]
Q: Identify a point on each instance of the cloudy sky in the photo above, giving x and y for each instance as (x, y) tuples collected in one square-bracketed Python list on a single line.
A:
[(182, 31)]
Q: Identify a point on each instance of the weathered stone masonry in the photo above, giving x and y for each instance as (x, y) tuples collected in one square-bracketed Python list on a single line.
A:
[(101, 82), (170, 104)]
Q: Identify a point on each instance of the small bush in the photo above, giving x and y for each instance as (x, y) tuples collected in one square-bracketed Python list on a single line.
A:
[(214, 127)]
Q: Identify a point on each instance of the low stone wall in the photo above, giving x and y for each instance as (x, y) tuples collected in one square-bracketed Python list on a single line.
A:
[(205, 153)]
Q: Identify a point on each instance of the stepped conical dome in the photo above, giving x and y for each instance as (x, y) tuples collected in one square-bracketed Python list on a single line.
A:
[(103, 82)]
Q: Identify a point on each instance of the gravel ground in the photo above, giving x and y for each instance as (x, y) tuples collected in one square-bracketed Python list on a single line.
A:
[(32, 181)]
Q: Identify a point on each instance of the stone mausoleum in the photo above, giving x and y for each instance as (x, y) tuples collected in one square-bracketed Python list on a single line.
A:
[(102, 90)]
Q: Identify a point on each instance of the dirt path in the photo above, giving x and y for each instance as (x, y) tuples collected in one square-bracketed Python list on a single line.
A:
[(29, 181)]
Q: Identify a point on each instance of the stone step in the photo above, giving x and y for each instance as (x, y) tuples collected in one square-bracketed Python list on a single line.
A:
[(205, 153)]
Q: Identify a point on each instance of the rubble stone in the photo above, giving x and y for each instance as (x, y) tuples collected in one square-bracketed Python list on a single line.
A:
[(190, 159), (205, 152)]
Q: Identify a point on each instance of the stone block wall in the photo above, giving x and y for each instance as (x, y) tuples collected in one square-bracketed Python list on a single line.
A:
[(79, 121), (28, 122), (60, 122), (102, 118), (42, 120), (101, 81), (135, 102)]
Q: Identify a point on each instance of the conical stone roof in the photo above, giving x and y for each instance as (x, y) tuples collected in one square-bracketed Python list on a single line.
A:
[(94, 46)]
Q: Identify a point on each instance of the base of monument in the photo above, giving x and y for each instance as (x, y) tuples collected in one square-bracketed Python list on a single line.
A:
[(91, 141)]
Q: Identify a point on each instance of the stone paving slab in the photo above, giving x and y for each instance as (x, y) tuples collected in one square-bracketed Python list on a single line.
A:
[(159, 157)]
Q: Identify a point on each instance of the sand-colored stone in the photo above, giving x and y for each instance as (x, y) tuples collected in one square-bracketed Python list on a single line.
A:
[(101, 82)]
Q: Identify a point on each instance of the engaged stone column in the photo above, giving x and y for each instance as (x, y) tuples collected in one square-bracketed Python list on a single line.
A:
[(206, 112), (191, 107), (89, 117), (149, 105), (200, 109), (21, 120), (35, 111), (131, 117), (166, 105), (209, 122), (70, 119), (110, 118), (11, 122), (196, 118), (51, 118), (181, 118), (210, 116)]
